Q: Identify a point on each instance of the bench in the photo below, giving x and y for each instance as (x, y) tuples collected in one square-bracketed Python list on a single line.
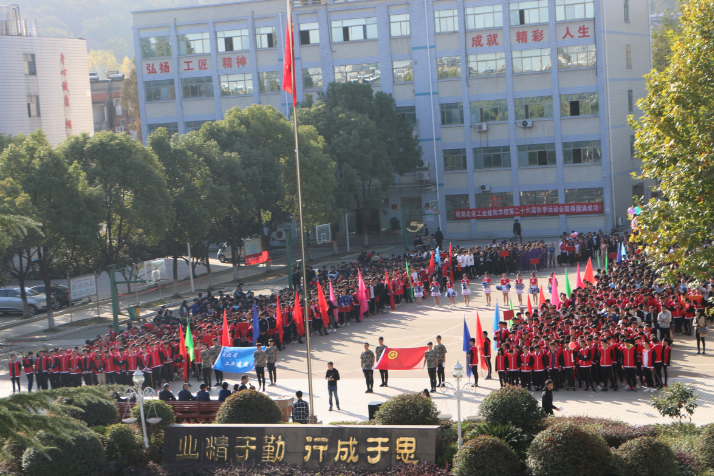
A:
[(209, 410), (185, 411)]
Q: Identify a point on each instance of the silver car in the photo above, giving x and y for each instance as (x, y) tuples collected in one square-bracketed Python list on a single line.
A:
[(10, 301)]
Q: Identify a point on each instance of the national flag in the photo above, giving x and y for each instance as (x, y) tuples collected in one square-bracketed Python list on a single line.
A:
[(388, 284), (480, 341), (554, 297), (496, 320), (530, 307), (589, 277), (322, 305), (409, 279), (183, 354), (541, 297), (279, 324), (289, 58), (189, 340), (579, 282), (431, 264), (256, 324), (225, 332), (466, 347), (334, 301), (297, 316), (395, 358), (568, 291)]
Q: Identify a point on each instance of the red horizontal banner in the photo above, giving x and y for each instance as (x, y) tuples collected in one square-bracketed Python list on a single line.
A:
[(257, 258), (394, 358), (528, 210)]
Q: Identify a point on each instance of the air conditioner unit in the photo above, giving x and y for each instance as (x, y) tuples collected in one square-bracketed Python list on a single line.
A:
[(485, 188), (120, 129), (620, 221), (280, 235), (422, 176), (481, 127), (421, 163), (524, 123)]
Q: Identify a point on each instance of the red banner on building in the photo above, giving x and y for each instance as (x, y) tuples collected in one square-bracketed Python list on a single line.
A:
[(257, 258), (528, 210)]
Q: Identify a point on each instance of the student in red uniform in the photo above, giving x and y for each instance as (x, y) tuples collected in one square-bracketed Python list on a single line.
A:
[(486, 283), (473, 360), (41, 363), (540, 365), (534, 290), (54, 368), (15, 368), (629, 362), (505, 288), (585, 358), (657, 361), (75, 368), (28, 363), (501, 367), (666, 358), (569, 365), (527, 369)]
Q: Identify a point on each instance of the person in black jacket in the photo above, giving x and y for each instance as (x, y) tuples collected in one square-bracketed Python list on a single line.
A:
[(166, 395), (439, 237), (517, 230), (547, 402), (332, 376), (185, 394)]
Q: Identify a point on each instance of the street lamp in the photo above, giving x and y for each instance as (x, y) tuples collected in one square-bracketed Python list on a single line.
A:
[(459, 373), (140, 395)]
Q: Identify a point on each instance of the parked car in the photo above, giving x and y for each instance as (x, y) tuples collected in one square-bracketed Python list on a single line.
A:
[(10, 301), (59, 292), (225, 255)]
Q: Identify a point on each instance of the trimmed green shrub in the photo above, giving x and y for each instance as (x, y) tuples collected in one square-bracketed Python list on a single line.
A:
[(645, 456), (567, 449), (689, 465), (12, 455), (617, 435), (65, 456), (408, 409), (509, 434), (120, 442), (249, 406), (705, 446), (512, 405), (486, 456), (94, 413), (152, 409)]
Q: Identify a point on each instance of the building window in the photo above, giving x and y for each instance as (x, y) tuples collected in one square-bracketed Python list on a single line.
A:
[(455, 202), (628, 55), (409, 114), (630, 101), (539, 197), (573, 9), (358, 73), (353, 30), (536, 155), (28, 60), (531, 61), (632, 146), (236, 84), (487, 64), (448, 67), (583, 152), (492, 158), (159, 90), (269, 82), (627, 10), (454, 159), (534, 108), (575, 57), (171, 127), (265, 37), (403, 71), (192, 88), (494, 200), (638, 191), (452, 114), (526, 13), (489, 111), (33, 106), (446, 21), (309, 34), (155, 47), (584, 195), (583, 104), (194, 44), (478, 18), (399, 25), (312, 78), (193, 125), (233, 40)]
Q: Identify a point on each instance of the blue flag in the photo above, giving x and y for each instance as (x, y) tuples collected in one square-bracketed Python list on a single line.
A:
[(256, 324), (624, 251), (437, 258), (496, 319), (619, 254), (235, 359), (467, 347)]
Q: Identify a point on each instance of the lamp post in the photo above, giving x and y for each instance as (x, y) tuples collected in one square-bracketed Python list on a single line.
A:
[(139, 394), (458, 373)]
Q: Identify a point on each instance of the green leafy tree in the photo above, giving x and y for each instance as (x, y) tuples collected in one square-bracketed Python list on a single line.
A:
[(130, 101), (677, 401), (675, 142), (662, 38)]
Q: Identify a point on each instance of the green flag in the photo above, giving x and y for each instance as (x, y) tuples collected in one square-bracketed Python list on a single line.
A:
[(598, 261), (606, 261), (409, 280), (189, 340), (567, 284), (510, 321)]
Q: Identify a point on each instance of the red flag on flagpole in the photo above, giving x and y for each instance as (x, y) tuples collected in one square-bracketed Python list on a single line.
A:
[(530, 307), (183, 353), (451, 263), (298, 317), (389, 288), (480, 341), (279, 318), (394, 358), (322, 305), (431, 265), (541, 297), (225, 334), (289, 58)]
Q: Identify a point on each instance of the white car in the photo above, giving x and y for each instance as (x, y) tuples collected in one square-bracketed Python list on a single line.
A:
[(10, 301)]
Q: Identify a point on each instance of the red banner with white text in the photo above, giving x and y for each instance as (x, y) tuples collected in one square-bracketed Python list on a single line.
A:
[(528, 210), (257, 258)]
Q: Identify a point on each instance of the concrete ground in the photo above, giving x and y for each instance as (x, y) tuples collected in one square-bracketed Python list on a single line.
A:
[(408, 326)]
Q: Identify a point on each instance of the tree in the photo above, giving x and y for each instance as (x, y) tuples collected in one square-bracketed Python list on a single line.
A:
[(674, 399), (131, 187), (662, 40), (675, 142), (102, 61), (129, 101)]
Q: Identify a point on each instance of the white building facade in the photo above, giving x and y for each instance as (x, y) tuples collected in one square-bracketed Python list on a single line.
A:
[(521, 107)]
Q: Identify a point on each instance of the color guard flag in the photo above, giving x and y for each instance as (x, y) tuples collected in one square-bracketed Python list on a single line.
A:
[(541, 297), (225, 333), (589, 277), (394, 358), (189, 340), (480, 341), (256, 325), (279, 318), (496, 318), (530, 307), (183, 353), (298, 316), (579, 281), (322, 305), (554, 296), (289, 59), (466, 347)]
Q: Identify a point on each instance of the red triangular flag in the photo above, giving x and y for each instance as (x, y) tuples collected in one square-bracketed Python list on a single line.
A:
[(298, 317), (589, 277), (541, 297), (388, 284), (288, 59), (322, 305), (480, 342), (530, 307), (579, 281), (225, 333), (431, 265), (279, 318), (183, 353)]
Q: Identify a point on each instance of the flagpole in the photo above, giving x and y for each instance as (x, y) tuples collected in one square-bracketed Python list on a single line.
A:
[(302, 229)]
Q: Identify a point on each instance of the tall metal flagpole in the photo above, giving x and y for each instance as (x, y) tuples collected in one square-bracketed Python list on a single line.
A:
[(306, 305)]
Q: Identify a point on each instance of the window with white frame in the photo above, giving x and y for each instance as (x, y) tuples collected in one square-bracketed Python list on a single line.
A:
[(531, 61), (312, 78), (171, 127), (494, 110), (566, 10), (584, 195), (233, 40), (399, 25), (403, 71), (535, 155), (269, 82), (409, 114), (582, 104), (159, 90), (540, 107), (354, 30), (236, 84), (539, 197), (576, 57), (455, 202), (309, 34), (487, 64), (448, 67), (155, 47), (368, 73), (452, 113), (265, 37), (194, 43), (582, 152), (192, 88), (478, 18), (492, 157), (446, 21), (527, 13), (454, 159), (33, 106)]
